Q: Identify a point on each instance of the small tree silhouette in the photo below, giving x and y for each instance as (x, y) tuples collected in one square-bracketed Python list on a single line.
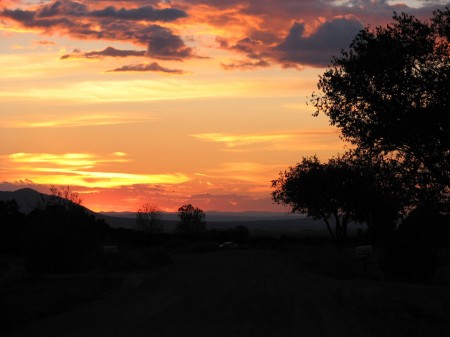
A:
[(148, 218), (192, 220)]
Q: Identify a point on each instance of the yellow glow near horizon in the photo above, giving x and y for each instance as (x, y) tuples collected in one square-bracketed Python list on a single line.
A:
[(102, 179), (69, 159), (75, 169)]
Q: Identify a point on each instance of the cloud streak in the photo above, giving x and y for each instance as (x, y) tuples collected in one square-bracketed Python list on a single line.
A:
[(319, 139), (107, 52), (147, 67), (66, 159), (52, 121)]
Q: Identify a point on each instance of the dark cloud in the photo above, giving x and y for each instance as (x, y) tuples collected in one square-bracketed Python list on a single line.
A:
[(58, 8), (153, 67), (77, 9), (107, 52), (143, 13), (77, 20), (261, 31), (163, 44), (20, 15), (248, 45), (253, 49), (318, 48)]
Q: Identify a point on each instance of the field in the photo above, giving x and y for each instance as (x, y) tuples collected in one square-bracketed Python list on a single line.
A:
[(294, 290)]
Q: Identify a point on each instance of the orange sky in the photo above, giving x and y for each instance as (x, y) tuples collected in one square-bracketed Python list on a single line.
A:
[(169, 102)]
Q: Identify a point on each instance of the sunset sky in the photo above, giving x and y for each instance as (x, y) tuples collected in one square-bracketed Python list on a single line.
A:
[(170, 102)]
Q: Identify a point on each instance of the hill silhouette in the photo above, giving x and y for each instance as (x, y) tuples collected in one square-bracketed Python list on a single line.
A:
[(26, 198)]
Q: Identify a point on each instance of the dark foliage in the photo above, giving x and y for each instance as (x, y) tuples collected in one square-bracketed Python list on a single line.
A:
[(148, 219), (192, 220), (390, 93), (407, 259), (411, 253), (427, 226), (12, 227), (354, 187), (60, 239)]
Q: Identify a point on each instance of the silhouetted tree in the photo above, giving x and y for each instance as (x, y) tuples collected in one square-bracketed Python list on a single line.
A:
[(343, 189), (383, 193), (63, 196), (192, 220), (148, 218), (390, 93)]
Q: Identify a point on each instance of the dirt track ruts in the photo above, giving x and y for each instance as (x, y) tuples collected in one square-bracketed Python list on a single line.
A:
[(223, 293)]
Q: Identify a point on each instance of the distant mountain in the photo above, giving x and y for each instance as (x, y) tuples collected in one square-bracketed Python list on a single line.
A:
[(256, 222), (216, 216), (26, 198)]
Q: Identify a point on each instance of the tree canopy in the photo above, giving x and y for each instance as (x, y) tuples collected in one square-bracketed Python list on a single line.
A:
[(192, 220), (352, 187), (390, 93)]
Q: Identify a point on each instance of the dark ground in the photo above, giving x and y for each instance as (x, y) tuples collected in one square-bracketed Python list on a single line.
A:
[(254, 292)]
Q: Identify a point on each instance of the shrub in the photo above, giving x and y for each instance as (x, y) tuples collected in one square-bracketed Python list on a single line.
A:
[(409, 260)]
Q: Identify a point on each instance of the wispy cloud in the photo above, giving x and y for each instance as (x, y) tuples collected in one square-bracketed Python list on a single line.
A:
[(71, 120), (232, 141), (131, 90), (318, 139), (81, 169), (67, 159)]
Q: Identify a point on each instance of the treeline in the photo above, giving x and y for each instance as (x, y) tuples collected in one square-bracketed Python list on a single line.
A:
[(57, 236), (60, 235)]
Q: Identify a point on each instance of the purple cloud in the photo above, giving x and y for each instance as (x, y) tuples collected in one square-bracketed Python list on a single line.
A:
[(152, 67), (318, 48), (107, 52)]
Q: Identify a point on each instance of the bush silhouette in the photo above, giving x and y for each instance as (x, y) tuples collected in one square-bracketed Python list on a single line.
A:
[(60, 239), (192, 220), (410, 260)]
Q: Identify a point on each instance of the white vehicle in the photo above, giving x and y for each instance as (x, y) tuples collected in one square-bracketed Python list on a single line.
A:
[(228, 244)]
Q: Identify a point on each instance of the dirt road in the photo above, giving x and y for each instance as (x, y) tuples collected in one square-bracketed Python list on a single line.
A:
[(223, 293)]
